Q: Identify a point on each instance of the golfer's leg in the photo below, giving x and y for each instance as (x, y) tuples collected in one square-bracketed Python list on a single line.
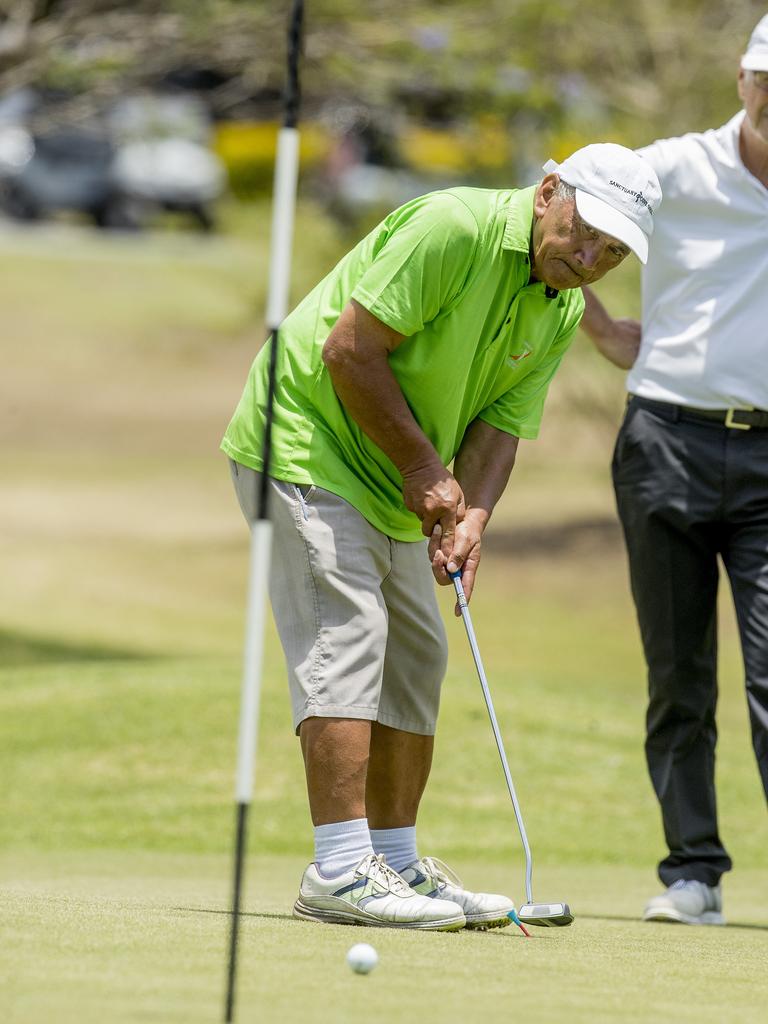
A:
[(673, 570), (325, 580), (335, 605), (746, 560), (336, 763), (397, 774), (402, 738), (327, 568)]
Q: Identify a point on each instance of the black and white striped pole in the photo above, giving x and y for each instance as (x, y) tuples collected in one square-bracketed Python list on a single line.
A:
[(283, 208)]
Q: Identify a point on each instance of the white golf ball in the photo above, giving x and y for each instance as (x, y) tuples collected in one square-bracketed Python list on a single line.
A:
[(362, 958)]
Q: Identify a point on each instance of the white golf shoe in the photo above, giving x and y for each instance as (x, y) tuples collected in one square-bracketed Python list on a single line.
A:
[(430, 877), (687, 902), (373, 894)]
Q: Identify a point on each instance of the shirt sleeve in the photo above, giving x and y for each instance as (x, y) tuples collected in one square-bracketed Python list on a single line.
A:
[(519, 410), (420, 262), (663, 156)]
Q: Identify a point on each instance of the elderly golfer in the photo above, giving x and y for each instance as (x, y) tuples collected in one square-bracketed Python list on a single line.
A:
[(691, 468), (432, 342)]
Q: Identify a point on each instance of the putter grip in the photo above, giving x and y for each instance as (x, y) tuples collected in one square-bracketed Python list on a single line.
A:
[(462, 597)]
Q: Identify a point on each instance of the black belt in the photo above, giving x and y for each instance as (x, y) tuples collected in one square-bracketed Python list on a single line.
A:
[(734, 419)]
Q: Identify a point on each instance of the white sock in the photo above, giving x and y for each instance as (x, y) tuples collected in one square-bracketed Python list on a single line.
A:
[(341, 846), (397, 844)]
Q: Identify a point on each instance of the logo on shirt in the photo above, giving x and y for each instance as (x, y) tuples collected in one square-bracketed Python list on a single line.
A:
[(515, 360)]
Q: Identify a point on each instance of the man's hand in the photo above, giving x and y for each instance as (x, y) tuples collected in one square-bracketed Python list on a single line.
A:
[(433, 494), (482, 466), (464, 554), (618, 340), (621, 346)]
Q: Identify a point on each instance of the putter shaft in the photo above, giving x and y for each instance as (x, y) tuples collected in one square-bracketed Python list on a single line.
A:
[(467, 619)]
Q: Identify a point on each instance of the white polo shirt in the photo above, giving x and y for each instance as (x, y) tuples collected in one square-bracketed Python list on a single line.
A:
[(705, 286)]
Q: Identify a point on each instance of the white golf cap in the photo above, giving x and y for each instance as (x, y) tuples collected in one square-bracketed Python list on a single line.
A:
[(617, 192), (756, 57)]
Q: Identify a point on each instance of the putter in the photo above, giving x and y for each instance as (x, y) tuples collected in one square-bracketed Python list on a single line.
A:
[(544, 914)]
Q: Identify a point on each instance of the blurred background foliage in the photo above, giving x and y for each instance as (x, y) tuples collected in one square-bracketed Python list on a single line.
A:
[(453, 87), (397, 99)]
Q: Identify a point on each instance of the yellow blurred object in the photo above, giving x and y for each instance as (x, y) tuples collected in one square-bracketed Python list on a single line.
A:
[(559, 147), (491, 143), (430, 149), (247, 149), (481, 144)]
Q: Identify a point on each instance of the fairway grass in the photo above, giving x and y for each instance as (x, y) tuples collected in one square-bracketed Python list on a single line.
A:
[(117, 822), (122, 939)]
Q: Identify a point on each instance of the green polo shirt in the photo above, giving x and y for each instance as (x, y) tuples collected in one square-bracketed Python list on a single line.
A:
[(450, 270)]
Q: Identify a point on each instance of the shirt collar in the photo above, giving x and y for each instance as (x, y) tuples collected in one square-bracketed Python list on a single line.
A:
[(517, 233)]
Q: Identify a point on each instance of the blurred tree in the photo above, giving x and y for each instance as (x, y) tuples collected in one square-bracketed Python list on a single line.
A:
[(564, 69)]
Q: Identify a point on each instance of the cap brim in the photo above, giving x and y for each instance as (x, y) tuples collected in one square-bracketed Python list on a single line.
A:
[(605, 218), (755, 61)]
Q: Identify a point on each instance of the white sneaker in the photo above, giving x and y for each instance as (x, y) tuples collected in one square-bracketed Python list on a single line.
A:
[(432, 878), (372, 894), (687, 902)]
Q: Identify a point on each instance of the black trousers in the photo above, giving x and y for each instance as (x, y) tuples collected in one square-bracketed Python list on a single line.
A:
[(688, 492)]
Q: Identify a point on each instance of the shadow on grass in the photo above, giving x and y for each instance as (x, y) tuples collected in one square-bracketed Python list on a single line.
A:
[(508, 932), (228, 913), (21, 649), (666, 924), (579, 536)]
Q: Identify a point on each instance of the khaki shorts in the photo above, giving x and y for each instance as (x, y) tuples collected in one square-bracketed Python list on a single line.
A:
[(356, 610)]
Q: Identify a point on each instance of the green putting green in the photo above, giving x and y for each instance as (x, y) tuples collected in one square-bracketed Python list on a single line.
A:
[(105, 936)]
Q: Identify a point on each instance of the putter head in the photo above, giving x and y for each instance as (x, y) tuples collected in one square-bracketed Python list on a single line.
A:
[(548, 915)]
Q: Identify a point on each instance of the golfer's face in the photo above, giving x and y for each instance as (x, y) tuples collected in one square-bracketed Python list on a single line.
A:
[(568, 252), (753, 90)]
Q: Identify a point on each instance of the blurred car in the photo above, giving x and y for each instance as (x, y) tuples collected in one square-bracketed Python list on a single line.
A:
[(118, 175), (164, 158), (43, 175), (174, 174)]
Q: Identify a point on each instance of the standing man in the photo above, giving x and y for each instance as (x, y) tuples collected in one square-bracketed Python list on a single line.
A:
[(433, 341), (691, 468)]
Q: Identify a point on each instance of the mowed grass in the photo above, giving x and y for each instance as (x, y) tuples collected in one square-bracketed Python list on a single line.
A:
[(141, 938), (121, 610)]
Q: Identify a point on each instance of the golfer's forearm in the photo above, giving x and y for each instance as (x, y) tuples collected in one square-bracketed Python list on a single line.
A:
[(356, 355), (482, 467), (371, 395)]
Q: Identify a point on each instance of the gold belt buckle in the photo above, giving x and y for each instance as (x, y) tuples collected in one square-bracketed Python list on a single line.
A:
[(730, 422)]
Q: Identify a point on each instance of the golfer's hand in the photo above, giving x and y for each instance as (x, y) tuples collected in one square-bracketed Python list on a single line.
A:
[(464, 556), (435, 496)]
